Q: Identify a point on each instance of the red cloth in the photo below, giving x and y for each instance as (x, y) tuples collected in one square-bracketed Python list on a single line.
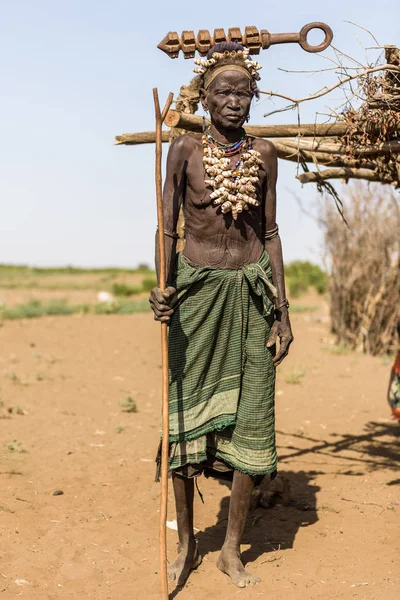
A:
[(393, 399)]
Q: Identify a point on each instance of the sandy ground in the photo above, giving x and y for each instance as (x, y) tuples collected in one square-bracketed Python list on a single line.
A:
[(11, 297), (62, 428)]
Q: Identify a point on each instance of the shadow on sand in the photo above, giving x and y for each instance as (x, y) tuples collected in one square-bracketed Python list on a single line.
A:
[(376, 448), (268, 530)]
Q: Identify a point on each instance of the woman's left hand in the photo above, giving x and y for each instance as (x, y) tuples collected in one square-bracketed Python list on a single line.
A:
[(281, 329)]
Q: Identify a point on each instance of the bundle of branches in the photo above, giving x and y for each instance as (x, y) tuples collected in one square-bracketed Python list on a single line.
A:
[(365, 269), (369, 146), (378, 119)]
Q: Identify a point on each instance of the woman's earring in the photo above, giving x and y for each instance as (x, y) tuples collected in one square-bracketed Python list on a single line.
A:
[(248, 118), (205, 122)]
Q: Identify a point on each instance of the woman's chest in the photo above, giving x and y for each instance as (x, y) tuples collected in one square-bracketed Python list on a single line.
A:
[(199, 181)]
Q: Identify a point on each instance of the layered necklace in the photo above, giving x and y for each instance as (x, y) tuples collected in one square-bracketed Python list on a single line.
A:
[(233, 186)]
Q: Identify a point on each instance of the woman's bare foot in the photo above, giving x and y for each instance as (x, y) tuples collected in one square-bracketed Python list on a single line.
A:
[(187, 560), (229, 563)]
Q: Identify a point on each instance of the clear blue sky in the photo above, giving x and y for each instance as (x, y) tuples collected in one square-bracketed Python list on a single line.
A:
[(74, 74)]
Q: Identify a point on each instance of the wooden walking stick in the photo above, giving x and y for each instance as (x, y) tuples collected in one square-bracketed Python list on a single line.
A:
[(160, 116)]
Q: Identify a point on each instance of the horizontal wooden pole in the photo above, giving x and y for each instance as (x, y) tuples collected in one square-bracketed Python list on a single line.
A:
[(326, 174), (284, 151), (144, 137), (149, 137), (287, 153), (194, 123), (329, 148)]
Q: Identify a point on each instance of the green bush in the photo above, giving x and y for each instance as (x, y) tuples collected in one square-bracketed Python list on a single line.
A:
[(301, 275), (148, 284), (59, 307), (128, 308), (35, 308), (122, 289), (29, 310), (143, 267)]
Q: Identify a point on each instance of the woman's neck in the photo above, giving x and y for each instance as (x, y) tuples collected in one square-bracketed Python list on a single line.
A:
[(226, 136)]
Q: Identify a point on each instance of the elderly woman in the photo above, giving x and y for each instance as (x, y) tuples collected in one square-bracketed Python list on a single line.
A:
[(225, 304)]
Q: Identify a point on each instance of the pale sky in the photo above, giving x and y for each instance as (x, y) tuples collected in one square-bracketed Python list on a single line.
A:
[(74, 74)]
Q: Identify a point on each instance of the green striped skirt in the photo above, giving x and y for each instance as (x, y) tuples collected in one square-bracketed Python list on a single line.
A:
[(222, 376)]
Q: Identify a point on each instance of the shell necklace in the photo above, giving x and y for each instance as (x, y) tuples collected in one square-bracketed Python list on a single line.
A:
[(233, 186)]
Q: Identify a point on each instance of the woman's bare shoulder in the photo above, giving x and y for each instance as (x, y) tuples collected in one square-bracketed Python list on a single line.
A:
[(185, 142)]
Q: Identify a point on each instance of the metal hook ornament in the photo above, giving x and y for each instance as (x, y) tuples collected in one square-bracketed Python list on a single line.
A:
[(252, 38)]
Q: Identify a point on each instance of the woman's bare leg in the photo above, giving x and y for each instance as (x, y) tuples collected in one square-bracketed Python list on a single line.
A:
[(229, 560), (187, 558)]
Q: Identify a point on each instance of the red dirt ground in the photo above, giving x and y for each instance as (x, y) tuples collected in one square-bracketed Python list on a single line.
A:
[(339, 537)]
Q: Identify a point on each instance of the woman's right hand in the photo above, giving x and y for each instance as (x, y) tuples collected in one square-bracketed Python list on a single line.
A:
[(161, 303)]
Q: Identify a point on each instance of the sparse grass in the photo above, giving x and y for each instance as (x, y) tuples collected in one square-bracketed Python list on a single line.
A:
[(15, 447), (122, 289), (7, 271), (121, 308), (36, 309), (132, 307), (298, 308), (119, 429), (71, 278), (295, 377), (13, 377), (148, 283), (336, 349), (128, 405)]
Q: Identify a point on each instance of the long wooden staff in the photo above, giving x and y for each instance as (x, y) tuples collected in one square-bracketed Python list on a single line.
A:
[(160, 116)]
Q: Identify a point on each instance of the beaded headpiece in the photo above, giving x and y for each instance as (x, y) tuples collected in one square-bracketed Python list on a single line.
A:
[(233, 60)]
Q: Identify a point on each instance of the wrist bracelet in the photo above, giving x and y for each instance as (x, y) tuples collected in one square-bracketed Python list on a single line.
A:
[(175, 235), (283, 303), (271, 234)]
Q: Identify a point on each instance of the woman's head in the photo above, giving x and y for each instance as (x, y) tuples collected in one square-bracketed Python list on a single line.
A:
[(228, 83)]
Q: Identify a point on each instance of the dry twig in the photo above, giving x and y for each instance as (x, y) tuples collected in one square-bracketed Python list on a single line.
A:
[(327, 90)]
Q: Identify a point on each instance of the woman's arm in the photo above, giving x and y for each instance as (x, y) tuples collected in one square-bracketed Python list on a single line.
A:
[(173, 195), (272, 243)]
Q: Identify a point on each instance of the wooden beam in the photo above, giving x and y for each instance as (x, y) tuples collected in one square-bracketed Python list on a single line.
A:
[(329, 148), (283, 150), (345, 174), (195, 123), (145, 137), (330, 160)]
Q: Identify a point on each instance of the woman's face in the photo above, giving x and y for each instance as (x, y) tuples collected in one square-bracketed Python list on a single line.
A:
[(228, 99)]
